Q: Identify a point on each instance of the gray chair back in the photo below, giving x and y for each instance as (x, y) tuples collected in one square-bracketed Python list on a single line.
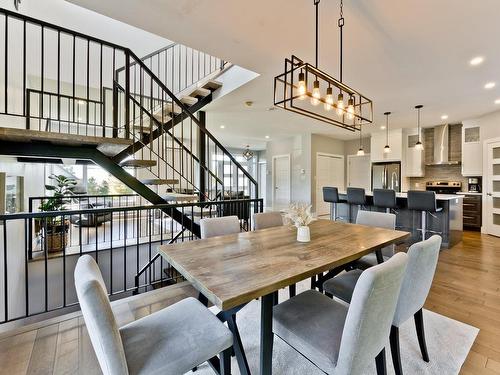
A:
[(331, 194), (422, 200), (381, 220), (422, 262), (384, 198), (219, 226), (369, 319), (356, 196), (267, 220), (99, 318)]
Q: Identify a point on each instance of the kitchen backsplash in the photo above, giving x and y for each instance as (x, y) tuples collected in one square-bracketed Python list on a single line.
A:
[(442, 172)]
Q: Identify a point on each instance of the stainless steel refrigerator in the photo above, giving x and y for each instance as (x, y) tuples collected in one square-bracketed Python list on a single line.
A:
[(386, 176)]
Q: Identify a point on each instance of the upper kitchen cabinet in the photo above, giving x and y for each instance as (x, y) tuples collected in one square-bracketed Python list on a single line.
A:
[(378, 142), (472, 151), (415, 159)]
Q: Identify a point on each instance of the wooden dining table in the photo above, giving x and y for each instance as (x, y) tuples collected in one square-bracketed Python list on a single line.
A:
[(232, 270)]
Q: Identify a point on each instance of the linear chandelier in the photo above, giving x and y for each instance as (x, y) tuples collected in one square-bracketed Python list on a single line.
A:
[(341, 105)]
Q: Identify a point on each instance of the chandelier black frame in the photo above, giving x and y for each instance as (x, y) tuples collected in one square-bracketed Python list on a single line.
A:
[(288, 96)]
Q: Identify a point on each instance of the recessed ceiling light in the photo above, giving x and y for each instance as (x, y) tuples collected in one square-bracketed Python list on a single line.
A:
[(222, 126), (476, 60), (489, 85), (267, 137), (382, 127), (444, 117), (497, 101)]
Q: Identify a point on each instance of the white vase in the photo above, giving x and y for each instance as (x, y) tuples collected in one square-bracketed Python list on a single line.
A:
[(303, 234)]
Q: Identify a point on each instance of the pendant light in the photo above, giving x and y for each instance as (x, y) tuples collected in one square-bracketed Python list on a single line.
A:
[(247, 154), (387, 148), (419, 146), (361, 151), (342, 105)]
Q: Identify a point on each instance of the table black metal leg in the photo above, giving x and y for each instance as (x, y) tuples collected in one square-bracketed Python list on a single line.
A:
[(266, 334)]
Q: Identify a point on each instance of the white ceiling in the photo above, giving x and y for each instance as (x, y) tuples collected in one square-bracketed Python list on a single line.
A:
[(398, 53)]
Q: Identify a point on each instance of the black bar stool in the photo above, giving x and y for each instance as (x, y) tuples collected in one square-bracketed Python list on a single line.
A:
[(331, 195), (386, 199), (355, 196), (425, 202)]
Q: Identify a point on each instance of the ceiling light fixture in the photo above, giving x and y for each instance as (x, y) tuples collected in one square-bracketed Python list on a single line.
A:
[(292, 87), (222, 126), (419, 146), (267, 137), (489, 85), (248, 154), (497, 101), (361, 151), (444, 117), (387, 148), (476, 60)]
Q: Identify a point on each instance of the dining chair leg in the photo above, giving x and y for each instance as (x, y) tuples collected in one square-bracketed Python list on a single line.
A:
[(225, 362), (395, 350), (419, 325), (381, 363), (292, 290)]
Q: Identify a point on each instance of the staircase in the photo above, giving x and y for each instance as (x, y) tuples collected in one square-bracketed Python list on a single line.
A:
[(72, 85)]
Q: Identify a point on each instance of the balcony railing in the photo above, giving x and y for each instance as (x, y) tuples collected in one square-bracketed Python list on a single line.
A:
[(123, 240)]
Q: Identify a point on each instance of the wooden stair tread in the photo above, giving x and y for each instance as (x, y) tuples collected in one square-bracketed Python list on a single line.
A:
[(212, 85), (200, 92), (189, 100), (160, 181), (138, 163)]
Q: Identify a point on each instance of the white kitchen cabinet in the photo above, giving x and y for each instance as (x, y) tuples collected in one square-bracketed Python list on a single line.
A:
[(414, 160), (472, 151), (378, 142)]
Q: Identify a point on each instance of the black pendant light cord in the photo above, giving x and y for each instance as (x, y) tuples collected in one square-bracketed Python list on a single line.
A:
[(316, 4), (341, 26)]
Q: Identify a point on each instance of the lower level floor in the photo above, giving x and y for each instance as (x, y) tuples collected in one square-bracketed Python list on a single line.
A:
[(466, 288)]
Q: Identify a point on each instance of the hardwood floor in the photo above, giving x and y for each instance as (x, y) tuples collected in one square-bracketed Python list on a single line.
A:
[(466, 288)]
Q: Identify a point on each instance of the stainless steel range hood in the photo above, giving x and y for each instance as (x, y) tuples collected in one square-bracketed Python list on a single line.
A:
[(441, 145)]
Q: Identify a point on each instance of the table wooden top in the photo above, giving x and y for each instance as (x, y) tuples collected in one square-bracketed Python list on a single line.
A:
[(235, 269)]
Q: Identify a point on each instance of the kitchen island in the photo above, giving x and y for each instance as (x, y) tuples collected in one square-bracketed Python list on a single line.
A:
[(449, 221)]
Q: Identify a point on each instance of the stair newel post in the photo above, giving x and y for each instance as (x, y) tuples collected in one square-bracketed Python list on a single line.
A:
[(127, 94), (202, 152), (115, 100)]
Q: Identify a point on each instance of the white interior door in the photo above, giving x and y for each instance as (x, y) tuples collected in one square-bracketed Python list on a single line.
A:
[(492, 188), (262, 180), (329, 172), (359, 171), (281, 182)]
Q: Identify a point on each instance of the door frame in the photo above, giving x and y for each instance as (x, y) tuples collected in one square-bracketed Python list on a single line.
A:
[(273, 187), (348, 175), (316, 175), (485, 228)]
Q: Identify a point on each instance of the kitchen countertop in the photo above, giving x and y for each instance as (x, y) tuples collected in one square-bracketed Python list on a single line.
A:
[(439, 197), (468, 193)]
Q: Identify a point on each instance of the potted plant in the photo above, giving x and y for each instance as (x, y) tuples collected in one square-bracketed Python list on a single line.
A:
[(300, 215), (55, 231)]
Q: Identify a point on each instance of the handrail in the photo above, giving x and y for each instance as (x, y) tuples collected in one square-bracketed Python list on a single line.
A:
[(149, 55), (34, 215)]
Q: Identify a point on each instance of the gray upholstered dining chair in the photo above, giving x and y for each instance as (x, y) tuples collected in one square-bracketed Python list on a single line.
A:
[(422, 261), (170, 341), (219, 226), (340, 339), (375, 219), (267, 220)]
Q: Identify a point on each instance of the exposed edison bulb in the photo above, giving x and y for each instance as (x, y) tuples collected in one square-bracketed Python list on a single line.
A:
[(419, 146), (316, 94), (387, 149), (329, 99), (361, 152), (350, 109), (301, 86), (340, 105)]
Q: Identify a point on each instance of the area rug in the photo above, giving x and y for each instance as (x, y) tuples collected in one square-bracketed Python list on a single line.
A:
[(448, 342)]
